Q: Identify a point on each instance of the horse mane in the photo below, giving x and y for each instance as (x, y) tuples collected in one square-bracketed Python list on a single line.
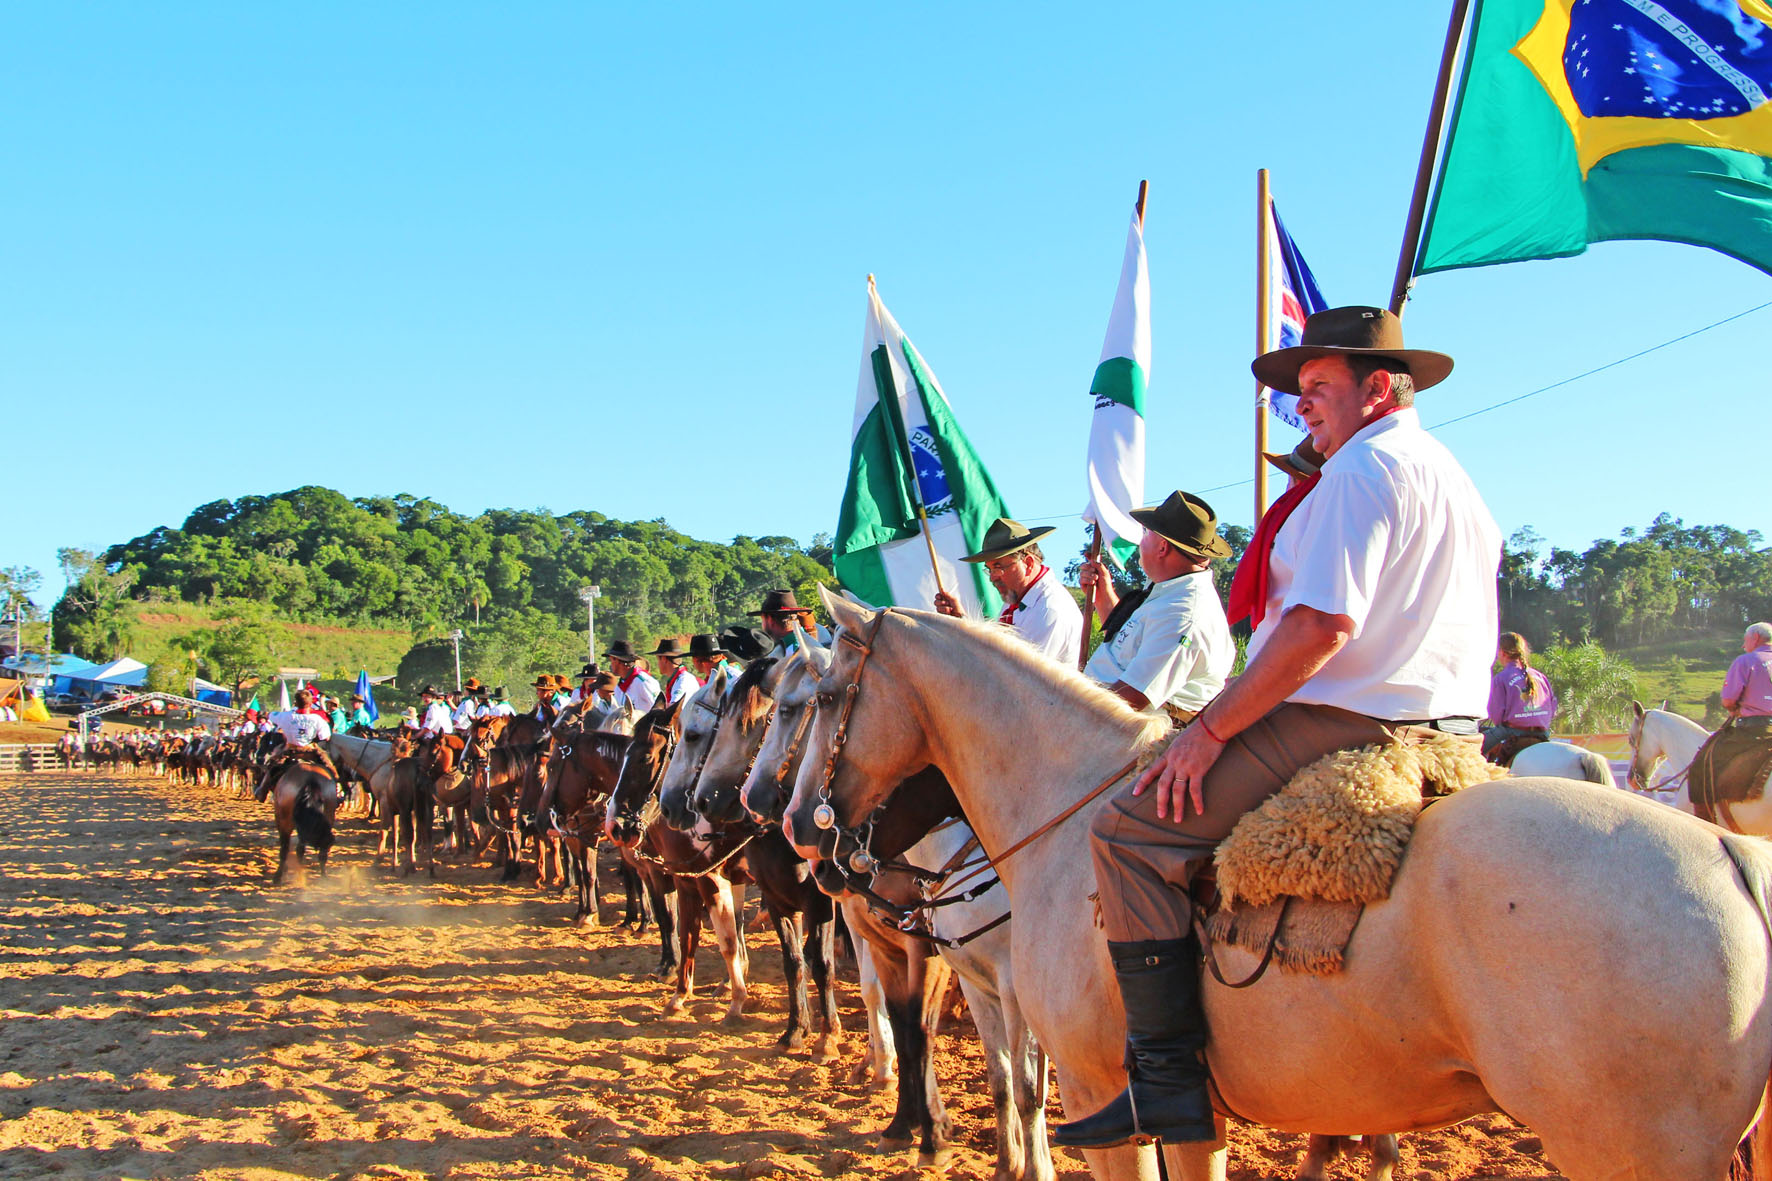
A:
[(611, 748), (754, 704), (1141, 727)]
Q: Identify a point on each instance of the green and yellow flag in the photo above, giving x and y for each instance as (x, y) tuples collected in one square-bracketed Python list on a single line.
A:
[(1583, 121)]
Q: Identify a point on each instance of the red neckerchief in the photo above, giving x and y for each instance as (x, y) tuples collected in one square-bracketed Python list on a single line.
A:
[(1249, 585), (1009, 609), (633, 674)]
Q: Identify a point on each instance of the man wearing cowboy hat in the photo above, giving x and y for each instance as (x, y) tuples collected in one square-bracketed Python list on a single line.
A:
[(638, 687), (708, 658), (1378, 619), (544, 698), (433, 713), (1168, 646), (303, 728), (608, 710), (677, 680), (1035, 604), (499, 704), (780, 611), (462, 716)]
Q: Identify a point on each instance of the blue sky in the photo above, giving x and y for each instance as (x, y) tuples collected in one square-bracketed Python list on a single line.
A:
[(589, 256)]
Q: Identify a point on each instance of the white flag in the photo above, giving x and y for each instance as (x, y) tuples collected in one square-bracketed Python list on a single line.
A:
[(1116, 434)]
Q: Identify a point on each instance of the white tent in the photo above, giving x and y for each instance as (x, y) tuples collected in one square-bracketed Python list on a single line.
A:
[(123, 672)]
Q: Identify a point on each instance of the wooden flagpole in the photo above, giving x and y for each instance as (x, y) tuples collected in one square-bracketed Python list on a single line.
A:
[(1424, 167), (1263, 265), (910, 459), (1144, 188)]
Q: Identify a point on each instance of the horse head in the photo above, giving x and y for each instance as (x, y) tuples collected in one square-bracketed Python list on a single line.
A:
[(701, 716), (748, 710), (767, 786), (633, 804)]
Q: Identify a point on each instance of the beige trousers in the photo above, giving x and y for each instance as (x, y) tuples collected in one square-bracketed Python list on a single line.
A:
[(1143, 864)]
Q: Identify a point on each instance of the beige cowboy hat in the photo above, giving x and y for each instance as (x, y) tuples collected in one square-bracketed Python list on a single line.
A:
[(1350, 332), (1186, 522), (1005, 537)]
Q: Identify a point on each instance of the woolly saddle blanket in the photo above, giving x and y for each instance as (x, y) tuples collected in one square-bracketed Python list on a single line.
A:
[(1296, 873)]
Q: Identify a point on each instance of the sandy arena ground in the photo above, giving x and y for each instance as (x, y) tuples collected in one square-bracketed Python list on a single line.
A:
[(164, 1012)]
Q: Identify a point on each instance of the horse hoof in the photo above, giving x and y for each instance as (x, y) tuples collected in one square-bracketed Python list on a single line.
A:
[(733, 1019), (828, 1048), (673, 1006), (937, 1158), (892, 1143), (790, 1043)]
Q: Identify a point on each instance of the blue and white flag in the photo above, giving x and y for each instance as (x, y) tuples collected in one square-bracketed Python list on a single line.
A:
[(1292, 296), (368, 697)]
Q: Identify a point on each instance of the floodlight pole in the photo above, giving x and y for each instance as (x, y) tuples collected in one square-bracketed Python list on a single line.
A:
[(590, 595), (455, 639)]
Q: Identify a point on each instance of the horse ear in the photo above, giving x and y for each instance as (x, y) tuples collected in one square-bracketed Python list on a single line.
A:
[(817, 657), (1636, 707), (847, 615)]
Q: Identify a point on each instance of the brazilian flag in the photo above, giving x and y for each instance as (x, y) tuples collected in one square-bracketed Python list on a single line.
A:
[(1583, 121)]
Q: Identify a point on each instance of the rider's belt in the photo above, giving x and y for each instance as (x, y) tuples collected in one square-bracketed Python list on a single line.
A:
[(1753, 723), (1463, 726)]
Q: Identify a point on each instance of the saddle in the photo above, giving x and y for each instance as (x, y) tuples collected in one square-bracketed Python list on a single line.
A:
[(1508, 749), (1296, 873), (1730, 768)]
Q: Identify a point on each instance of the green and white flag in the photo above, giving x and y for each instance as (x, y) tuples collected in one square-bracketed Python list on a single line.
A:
[(906, 448), (1116, 435)]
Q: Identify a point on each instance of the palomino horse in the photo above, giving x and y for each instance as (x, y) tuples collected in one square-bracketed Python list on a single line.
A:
[(1658, 736), (1518, 964), (920, 829), (305, 797), (1562, 760), (671, 862), (723, 727)]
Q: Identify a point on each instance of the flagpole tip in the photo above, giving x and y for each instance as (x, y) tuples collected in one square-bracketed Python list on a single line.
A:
[(870, 282)]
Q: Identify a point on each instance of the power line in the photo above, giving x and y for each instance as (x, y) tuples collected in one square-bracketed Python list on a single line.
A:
[(1520, 397)]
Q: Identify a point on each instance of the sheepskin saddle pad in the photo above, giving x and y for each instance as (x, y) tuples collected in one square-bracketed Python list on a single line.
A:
[(1296, 872)]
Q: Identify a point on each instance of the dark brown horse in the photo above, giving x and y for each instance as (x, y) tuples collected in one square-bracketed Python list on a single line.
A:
[(581, 772), (305, 797), (403, 800)]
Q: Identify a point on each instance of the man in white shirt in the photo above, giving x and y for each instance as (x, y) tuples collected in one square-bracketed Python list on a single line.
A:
[(303, 728), (637, 686), (1036, 606), (1166, 646), (462, 715), (437, 728), (675, 680), (1378, 620), (498, 705)]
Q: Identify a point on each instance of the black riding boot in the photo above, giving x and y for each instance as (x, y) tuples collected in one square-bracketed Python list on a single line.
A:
[(1167, 1098)]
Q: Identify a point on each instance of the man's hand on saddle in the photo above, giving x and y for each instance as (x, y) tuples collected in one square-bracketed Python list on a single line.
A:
[(1179, 773), (946, 604)]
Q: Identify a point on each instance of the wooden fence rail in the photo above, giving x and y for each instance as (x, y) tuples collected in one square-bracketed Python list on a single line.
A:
[(17, 757)]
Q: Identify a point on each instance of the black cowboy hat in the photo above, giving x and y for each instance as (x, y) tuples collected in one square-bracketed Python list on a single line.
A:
[(1186, 522), (621, 650), (589, 670), (746, 643), (1303, 461), (427, 691), (705, 646), (670, 646), (781, 602), (500, 692), (1350, 332), (1005, 537)]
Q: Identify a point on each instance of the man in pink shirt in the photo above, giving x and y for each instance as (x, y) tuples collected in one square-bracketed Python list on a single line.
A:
[(1747, 689)]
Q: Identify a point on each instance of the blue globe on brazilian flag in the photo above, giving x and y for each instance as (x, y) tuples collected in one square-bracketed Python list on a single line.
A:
[(1582, 121)]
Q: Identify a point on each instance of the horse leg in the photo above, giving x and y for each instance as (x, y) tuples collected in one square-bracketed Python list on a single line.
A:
[(427, 831), (937, 1131), (820, 952), (793, 970), (724, 910), (1027, 1084), (690, 909), (665, 911), (282, 856), (881, 1060), (513, 862)]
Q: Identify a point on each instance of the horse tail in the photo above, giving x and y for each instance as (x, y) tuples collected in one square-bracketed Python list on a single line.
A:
[(310, 813), (1753, 1156)]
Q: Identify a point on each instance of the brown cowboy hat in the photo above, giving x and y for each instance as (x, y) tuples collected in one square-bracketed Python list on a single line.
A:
[(1005, 537), (544, 681), (1186, 522), (471, 685), (560, 682), (1350, 332), (604, 681), (670, 646), (1303, 461), (781, 602), (705, 646)]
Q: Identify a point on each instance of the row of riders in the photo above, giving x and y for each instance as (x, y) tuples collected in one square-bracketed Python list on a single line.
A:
[(971, 805)]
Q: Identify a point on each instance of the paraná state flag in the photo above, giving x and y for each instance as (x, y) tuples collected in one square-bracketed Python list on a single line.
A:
[(1582, 121), (1116, 432), (1292, 297), (364, 691), (905, 447)]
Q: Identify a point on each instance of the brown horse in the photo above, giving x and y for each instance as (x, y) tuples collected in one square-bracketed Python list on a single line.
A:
[(403, 799), (305, 797), (581, 772)]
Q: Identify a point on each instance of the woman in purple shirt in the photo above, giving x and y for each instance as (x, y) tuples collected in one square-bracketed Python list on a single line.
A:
[(1522, 703)]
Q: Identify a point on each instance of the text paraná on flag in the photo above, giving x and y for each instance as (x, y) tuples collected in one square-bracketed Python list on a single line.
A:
[(917, 498)]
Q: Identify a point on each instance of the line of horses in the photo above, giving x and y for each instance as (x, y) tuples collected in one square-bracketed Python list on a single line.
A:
[(1551, 949)]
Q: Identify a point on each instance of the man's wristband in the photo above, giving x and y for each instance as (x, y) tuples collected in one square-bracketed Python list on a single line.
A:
[(1201, 723)]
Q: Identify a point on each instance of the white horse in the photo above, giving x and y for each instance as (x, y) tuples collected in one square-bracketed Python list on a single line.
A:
[(1667, 742), (1518, 965), (1562, 760)]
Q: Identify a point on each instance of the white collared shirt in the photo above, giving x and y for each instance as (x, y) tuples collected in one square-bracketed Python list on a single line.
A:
[(299, 729), (640, 690), (1396, 538), (680, 686), (463, 715), (1175, 648), (436, 719), (1050, 620)]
